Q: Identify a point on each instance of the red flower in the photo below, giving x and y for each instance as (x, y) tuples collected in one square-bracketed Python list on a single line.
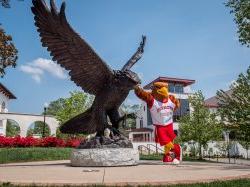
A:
[(38, 142)]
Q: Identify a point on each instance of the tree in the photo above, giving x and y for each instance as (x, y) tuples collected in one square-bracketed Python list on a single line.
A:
[(37, 128), (12, 128), (67, 108), (201, 125), (234, 108), (55, 106), (241, 10), (8, 52), (6, 3), (130, 111)]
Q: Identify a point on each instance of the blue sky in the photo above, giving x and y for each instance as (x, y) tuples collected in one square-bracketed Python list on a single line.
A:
[(187, 39)]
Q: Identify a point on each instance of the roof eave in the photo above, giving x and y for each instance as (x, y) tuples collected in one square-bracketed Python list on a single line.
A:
[(7, 92)]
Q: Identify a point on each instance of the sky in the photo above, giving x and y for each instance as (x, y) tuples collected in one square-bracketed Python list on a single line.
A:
[(193, 39)]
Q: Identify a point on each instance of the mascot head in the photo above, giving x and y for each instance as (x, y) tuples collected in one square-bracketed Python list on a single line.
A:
[(160, 91)]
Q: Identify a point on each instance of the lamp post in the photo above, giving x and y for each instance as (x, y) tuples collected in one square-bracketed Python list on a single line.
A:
[(44, 116), (228, 145)]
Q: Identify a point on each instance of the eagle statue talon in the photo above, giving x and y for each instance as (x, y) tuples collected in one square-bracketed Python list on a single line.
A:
[(86, 69)]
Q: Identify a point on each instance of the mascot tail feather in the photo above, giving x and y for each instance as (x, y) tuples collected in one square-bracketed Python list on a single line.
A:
[(82, 123)]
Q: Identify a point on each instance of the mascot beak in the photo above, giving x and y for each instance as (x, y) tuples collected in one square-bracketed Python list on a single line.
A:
[(163, 91)]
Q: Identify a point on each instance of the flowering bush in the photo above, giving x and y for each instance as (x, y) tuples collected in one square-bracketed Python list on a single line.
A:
[(38, 142)]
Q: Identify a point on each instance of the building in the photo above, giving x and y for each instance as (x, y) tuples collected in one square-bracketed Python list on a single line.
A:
[(236, 149), (23, 121), (181, 89), (5, 96), (212, 103)]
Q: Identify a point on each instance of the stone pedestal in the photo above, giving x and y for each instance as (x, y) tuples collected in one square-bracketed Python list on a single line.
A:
[(104, 157)]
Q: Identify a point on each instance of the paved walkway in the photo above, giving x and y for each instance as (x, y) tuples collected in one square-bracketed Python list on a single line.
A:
[(232, 160), (147, 172)]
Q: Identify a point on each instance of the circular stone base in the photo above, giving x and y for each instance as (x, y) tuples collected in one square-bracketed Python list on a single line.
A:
[(105, 157)]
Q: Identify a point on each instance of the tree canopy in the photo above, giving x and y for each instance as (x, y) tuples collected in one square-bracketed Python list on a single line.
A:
[(241, 11), (6, 3), (37, 129), (130, 111), (200, 125), (8, 52), (234, 108), (12, 128), (66, 108)]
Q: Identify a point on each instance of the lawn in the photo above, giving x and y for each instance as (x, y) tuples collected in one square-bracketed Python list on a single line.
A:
[(159, 157), (8, 155)]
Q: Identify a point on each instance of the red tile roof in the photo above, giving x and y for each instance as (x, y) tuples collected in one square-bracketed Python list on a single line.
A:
[(212, 102), (184, 82), (6, 92)]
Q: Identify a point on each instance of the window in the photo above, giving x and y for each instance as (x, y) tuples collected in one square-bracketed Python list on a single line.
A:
[(178, 88), (175, 88), (182, 110), (171, 87)]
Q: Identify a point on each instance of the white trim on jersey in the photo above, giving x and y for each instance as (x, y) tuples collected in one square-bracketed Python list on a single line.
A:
[(162, 113)]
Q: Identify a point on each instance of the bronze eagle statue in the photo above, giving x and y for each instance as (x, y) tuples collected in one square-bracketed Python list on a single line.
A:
[(86, 69)]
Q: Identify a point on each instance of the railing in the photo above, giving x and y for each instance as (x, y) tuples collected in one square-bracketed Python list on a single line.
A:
[(157, 149), (148, 150), (143, 148)]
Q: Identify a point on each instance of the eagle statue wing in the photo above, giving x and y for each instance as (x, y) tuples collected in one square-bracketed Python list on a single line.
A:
[(66, 47)]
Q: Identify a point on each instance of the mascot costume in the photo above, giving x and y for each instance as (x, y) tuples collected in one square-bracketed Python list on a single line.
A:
[(162, 106)]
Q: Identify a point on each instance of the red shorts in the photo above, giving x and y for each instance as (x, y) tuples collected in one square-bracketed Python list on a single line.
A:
[(164, 134)]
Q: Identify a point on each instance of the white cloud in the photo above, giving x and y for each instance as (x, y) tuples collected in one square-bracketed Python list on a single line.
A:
[(51, 67), (39, 66), (35, 73), (37, 78), (31, 70)]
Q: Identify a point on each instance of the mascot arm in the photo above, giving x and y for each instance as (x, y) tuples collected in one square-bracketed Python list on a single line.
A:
[(144, 95), (175, 101)]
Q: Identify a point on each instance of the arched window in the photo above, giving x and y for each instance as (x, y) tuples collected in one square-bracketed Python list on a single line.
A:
[(12, 128), (36, 129)]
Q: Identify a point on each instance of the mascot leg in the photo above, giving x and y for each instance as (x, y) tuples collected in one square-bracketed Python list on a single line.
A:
[(167, 148), (177, 151)]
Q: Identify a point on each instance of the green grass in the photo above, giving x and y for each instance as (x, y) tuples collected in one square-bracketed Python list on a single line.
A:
[(230, 183), (8, 155), (159, 157), (151, 157)]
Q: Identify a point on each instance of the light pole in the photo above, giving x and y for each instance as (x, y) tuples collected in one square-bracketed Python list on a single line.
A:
[(228, 145), (44, 116)]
